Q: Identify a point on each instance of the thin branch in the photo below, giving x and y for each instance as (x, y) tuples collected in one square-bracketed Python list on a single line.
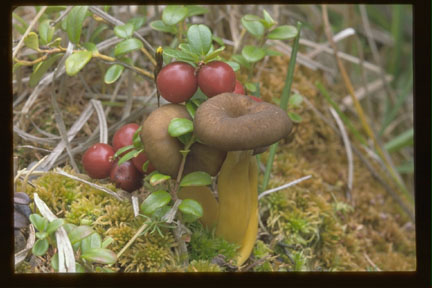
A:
[(29, 28), (292, 183)]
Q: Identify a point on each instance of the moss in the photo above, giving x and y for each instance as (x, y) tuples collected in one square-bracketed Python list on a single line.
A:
[(202, 266), (145, 257), (204, 245)]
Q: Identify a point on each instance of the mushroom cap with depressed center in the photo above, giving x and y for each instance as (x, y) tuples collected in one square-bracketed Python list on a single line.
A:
[(233, 122)]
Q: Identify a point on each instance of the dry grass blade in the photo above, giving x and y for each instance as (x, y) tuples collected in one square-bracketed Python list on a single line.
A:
[(32, 138), (292, 183), (66, 257), (29, 28), (336, 38), (106, 190), (103, 127), (79, 123), (135, 205), (348, 150), (169, 216), (21, 255)]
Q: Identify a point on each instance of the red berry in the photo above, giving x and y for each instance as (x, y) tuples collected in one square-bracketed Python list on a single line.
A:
[(238, 88), (123, 136), (256, 98), (177, 82), (97, 160), (125, 176), (215, 78), (139, 161)]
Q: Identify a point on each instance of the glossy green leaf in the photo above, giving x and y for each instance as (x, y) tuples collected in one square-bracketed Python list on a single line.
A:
[(40, 247), (271, 52), (39, 222), (97, 32), (55, 262), (268, 20), (38, 73), (160, 212), (74, 23), (113, 73), (294, 117), (90, 46), (250, 86), (191, 108), (79, 233), (191, 209), (124, 31), (198, 178), (128, 156), (406, 139), (159, 25), (90, 242), (107, 241), (54, 225), (193, 10), (283, 32), (200, 38), (121, 150), (127, 46), (100, 255), (154, 201), (241, 60), (137, 22), (255, 28), (145, 166), (251, 17), (179, 55), (234, 65), (41, 235), (253, 53), (180, 126), (46, 32), (75, 62), (213, 54), (136, 139), (173, 14), (32, 41), (295, 100), (158, 178)]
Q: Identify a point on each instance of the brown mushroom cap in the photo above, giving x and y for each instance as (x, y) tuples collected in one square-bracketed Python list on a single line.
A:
[(232, 122), (163, 151)]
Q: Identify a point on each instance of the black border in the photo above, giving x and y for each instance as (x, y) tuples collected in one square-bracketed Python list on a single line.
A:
[(422, 124)]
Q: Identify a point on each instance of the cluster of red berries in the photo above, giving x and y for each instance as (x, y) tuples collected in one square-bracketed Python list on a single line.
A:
[(178, 81), (99, 162)]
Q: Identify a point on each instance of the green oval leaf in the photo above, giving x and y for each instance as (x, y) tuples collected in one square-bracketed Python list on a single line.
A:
[(255, 28), (40, 247), (241, 60), (122, 150), (271, 52), (75, 62), (294, 117), (253, 53), (173, 14), (159, 25), (137, 22), (179, 55), (154, 201), (198, 178), (124, 31), (158, 178), (129, 155), (93, 241), (234, 65), (46, 32), (39, 222), (200, 38), (40, 71), (191, 209), (55, 262), (180, 126), (295, 100), (100, 255), (136, 139), (191, 108), (74, 23), (127, 46), (54, 225), (79, 233), (268, 20), (113, 73), (283, 32), (193, 10), (213, 54), (32, 41)]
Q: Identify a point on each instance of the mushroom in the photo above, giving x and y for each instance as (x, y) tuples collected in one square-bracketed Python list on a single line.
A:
[(163, 151), (237, 124)]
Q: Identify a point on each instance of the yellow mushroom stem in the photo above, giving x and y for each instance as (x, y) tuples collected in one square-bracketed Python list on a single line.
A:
[(235, 216), (238, 202)]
